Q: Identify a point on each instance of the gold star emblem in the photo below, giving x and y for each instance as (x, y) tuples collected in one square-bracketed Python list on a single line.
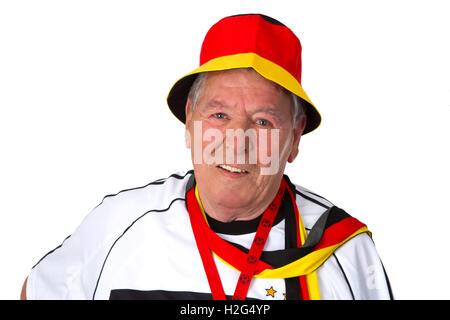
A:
[(271, 292)]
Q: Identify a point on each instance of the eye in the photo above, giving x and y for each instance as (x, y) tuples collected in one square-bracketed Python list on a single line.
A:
[(219, 115), (262, 122)]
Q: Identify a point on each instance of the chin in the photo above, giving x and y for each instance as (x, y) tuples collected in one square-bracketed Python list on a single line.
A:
[(232, 204)]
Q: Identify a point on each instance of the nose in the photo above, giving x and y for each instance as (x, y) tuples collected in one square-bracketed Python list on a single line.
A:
[(240, 140)]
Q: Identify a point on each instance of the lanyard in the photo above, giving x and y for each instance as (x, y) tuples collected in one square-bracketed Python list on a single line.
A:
[(335, 229), (248, 263)]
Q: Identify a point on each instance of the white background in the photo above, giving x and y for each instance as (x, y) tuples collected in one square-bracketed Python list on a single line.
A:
[(83, 114)]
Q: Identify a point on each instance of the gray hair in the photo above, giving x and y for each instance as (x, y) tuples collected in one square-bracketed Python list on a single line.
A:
[(298, 106)]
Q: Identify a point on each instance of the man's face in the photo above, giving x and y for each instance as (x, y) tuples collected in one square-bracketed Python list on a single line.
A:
[(241, 99)]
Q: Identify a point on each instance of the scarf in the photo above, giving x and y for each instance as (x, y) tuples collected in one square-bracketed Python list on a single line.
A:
[(297, 263)]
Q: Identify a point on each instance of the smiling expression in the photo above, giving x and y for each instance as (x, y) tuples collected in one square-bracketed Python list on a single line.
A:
[(241, 99)]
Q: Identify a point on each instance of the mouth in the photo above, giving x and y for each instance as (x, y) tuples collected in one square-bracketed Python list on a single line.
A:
[(232, 171)]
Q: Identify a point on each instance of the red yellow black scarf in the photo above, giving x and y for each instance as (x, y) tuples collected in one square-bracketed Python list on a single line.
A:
[(297, 263)]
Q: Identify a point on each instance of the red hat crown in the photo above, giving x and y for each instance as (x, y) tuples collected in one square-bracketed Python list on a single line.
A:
[(254, 33)]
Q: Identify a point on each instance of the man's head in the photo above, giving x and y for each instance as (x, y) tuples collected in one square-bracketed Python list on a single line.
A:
[(224, 102), (245, 111)]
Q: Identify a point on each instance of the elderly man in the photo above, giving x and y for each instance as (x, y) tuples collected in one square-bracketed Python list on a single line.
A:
[(234, 227)]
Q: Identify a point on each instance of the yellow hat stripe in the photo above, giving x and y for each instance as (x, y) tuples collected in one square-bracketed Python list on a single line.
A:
[(264, 67)]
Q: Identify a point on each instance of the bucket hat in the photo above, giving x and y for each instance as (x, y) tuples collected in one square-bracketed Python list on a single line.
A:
[(249, 41)]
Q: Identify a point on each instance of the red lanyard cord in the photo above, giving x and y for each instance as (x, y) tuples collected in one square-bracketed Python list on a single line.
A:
[(249, 264), (205, 253), (258, 243)]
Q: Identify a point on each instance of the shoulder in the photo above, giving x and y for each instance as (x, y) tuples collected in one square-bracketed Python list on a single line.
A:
[(311, 198), (130, 204), (359, 261), (117, 212), (155, 193), (311, 205), (82, 255), (356, 261)]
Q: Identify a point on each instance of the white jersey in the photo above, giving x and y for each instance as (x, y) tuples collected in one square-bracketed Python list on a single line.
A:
[(139, 244)]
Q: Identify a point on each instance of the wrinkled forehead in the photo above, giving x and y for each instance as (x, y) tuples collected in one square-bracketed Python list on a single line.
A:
[(245, 87)]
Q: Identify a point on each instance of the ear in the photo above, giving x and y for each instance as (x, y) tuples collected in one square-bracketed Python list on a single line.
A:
[(298, 131), (188, 110), (187, 138)]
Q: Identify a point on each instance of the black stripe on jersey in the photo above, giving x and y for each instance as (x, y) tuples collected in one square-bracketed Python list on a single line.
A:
[(51, 251), (128, 228), (345, 276), (312, 199), (391, 295), (156, 182), (318, 196), (130, 294)]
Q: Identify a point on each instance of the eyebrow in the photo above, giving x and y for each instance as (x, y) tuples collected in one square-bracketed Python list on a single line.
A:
[(268, 109), (271, 110), (214, 103)]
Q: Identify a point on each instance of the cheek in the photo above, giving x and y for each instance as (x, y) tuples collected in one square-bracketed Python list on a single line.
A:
[(197, 131), (273, 143), (206, 143), (211, 137), (284, 137)]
